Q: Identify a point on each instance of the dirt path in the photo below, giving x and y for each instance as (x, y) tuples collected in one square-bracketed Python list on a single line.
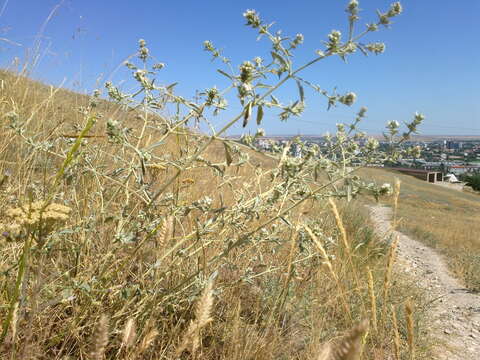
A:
[(455, 312), (453, 186)]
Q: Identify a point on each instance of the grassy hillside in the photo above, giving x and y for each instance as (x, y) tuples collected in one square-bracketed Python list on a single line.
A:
[(226, 263), (443, 218)]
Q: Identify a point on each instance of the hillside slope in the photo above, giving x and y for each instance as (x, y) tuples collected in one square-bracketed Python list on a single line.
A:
[(229, 261), (452, 309), (443, 218)]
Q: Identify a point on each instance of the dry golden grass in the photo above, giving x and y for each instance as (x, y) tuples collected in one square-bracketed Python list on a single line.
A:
[(443, 218), (119, 279)]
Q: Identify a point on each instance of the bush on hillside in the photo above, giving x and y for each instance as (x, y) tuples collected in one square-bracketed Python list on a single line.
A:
[(473, 181)]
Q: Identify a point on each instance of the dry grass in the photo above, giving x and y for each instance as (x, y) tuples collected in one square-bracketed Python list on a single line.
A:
[(442, 218), (119, 279)]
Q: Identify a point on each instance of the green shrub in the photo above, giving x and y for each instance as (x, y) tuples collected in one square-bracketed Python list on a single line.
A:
[(473, 181)]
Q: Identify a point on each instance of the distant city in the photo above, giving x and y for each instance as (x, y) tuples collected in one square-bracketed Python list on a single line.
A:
[(453, 155)]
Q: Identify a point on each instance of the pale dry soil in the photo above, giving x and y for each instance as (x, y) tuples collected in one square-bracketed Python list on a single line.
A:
[(453, 186), (453, 310)]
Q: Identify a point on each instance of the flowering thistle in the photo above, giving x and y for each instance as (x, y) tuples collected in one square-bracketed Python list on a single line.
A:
[(376, 48), (386, 189), (334, 40), (297, 41), (143, 51), (352, 5), (252, 18), (246, 71), (372, 144), (260, 132), (372, 27), (352, 8), (158, 66), (348, 99), (393, 126), (395, 9)]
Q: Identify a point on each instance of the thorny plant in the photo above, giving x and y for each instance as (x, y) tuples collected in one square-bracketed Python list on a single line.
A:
[(164, 232)]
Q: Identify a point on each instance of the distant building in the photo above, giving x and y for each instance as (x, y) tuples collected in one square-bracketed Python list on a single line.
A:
[(464, 169), (451, 178), (427, 175), (452, 145)]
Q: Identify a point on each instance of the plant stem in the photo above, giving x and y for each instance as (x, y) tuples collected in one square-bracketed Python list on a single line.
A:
[(22, 268)]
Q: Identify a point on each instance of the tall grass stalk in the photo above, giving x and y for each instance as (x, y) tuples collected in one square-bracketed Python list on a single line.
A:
[(388, 276)]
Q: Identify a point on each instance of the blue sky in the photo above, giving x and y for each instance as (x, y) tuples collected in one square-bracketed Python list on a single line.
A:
[(431, 64)]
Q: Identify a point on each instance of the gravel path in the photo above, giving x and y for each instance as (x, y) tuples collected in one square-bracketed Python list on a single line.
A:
[(455, 312)]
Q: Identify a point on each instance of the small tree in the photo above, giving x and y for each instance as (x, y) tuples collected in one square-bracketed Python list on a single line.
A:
[(473, 181)]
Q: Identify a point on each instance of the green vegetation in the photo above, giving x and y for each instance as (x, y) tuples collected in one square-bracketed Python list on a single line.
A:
[(473, 181)]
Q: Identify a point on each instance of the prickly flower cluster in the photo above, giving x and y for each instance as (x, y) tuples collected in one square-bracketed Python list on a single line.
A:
[(246, 72), (142, 50), (352, 8), (297, 41), (393, 126), (252, 18), (417, 120), (386, 189), (376, 48), (352, 5), (334, 39), (348, 99), (395, 10)]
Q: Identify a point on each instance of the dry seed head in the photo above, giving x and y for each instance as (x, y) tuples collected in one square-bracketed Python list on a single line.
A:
[(350, 347), (396, 195), (204, 306), (156, 166), (202, 318), (36, 212), (155, 169), (166, 231), (129, 333), (321, 249), (410, 333), (188, 181), (396, 188), (100, 339), (13, 324), (339, 222), (396, 338), (329, 266), (325, 352), (148, 340), (388, 272), (373, 301)]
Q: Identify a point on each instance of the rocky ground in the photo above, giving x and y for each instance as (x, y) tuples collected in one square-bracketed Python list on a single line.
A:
[(455, 312)]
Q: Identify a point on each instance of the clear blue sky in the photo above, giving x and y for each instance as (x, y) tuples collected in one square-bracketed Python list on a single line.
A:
[(431, 65)]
